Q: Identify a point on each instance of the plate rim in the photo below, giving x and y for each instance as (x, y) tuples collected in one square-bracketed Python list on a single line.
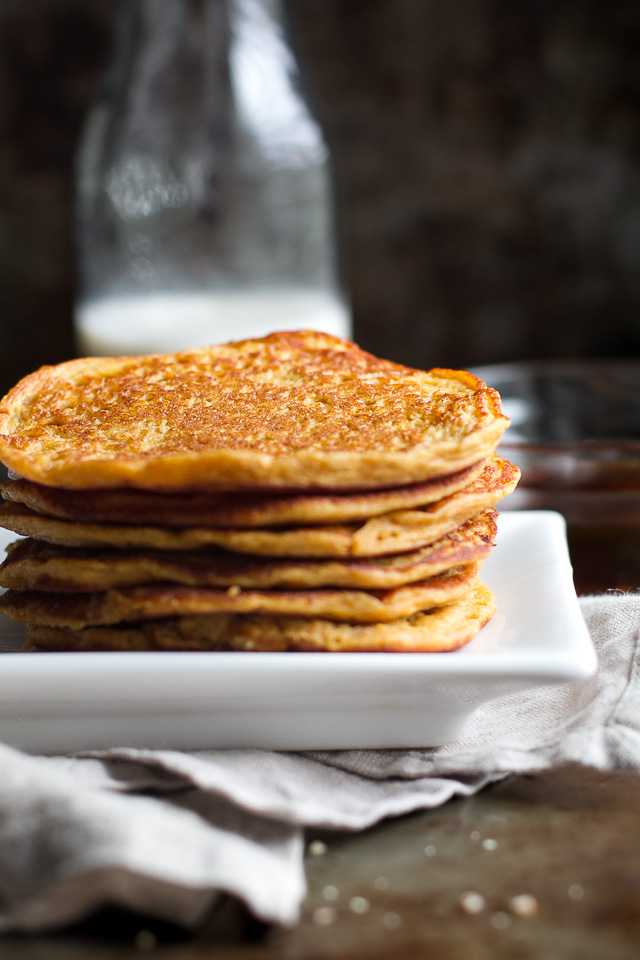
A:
[(575, 659)]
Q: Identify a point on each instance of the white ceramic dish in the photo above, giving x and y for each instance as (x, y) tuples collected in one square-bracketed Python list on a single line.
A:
[(60, 702)]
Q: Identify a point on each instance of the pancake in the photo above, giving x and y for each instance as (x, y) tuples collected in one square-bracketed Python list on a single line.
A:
[(79, 610), (289, 411), (391, 533), (229, 509), (441, 629), (33, 565)]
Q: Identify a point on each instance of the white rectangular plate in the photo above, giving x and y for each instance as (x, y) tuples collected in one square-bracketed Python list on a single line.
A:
[(62, 702)]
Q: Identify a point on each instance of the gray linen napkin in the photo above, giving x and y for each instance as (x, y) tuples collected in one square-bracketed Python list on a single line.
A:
[(166, 832)]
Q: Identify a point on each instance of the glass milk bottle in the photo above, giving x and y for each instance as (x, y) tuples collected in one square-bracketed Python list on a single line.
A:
[(205, 210)]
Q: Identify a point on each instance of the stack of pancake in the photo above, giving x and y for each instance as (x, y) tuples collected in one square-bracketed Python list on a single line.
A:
[(286, 493)]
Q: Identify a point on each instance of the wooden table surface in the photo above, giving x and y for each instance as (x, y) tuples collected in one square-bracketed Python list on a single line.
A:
[(565, 842)]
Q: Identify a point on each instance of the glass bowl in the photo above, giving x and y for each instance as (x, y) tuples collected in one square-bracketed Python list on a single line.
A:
[(575, 434)]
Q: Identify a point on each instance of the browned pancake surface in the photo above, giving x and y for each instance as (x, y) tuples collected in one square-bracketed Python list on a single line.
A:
[(165, 600), (34, 565), (294, 410), (440, 629), (392, 533), (228, 509)]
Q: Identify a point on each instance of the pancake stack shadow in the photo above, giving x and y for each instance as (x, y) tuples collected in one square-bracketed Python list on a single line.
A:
[(377, 548)]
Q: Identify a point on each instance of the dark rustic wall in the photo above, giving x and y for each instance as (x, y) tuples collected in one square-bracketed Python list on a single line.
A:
[(50, 54), (488, 157)]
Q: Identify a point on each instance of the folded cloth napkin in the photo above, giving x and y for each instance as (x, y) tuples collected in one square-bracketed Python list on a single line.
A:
[(165, 832)]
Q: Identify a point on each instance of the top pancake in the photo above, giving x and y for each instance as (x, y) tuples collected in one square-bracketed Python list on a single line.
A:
[(292, 411)]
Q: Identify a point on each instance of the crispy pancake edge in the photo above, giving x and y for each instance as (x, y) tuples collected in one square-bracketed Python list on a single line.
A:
[(142, 507), (388, 534), (441, 629), (34, 565), (78, 610)]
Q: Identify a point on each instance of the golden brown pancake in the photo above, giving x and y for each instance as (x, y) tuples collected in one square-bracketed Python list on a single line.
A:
[(392, 533), (33, 565), (441, 629), (229, 509), (79, 610), (292, 410)]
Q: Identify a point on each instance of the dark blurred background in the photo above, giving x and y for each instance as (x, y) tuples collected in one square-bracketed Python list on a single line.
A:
[(487, 155)]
